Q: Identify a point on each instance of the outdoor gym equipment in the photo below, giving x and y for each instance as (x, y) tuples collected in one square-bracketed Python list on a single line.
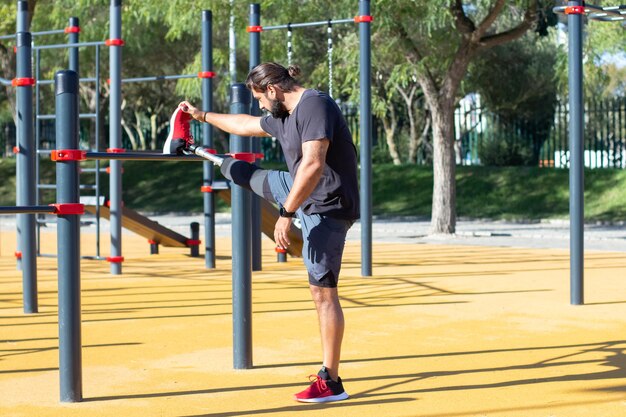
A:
[(27, 149), (575, 11), (363, 19), (67, 156)]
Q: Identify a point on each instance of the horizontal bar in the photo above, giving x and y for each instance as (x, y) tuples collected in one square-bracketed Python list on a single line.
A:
[(27, 209), (51, 82), (158, 78), (87, 170), (140, 156), (308, 24), (52, 116), (5, 81), (53, 187), (48, 32), (3, 37), (68, 45), (601, 12)]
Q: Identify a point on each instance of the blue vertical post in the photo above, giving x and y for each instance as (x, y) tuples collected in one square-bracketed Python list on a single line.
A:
[(26, 178), (207, 139), (242, 248), (255, 59), (73, 38), (576, 172), (68, 240), (115, 134), (365, 65)]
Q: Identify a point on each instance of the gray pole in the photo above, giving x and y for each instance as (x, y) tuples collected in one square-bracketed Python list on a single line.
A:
[(255, 59), (22, 26), (115, 135), (207, 139), (365, 64), (73, 38), (242, 248), (576, 172), (26, 178), (68, 238), (22, 16)]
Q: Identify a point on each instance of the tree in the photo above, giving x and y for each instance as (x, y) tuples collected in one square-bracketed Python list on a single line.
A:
[(441, 49)]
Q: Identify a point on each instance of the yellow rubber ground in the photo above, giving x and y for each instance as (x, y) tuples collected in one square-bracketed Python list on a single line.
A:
[(440, 331)]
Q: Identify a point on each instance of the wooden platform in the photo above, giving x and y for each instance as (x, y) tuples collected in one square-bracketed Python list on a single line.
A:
[(143, 226)]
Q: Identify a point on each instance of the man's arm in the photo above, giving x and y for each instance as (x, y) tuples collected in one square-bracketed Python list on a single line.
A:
[(308, 176), (238, 124)]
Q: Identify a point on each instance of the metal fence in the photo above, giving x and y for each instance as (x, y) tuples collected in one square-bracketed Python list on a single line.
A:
[(482, 138), (480, 134)]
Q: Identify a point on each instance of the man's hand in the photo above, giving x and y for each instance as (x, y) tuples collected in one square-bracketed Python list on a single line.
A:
[(187, 107), (281, 232)]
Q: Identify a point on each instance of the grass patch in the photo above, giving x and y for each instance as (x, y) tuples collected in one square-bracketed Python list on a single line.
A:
[(508, 193)]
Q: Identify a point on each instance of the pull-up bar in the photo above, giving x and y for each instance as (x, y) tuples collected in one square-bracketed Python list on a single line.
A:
[(302, 25)]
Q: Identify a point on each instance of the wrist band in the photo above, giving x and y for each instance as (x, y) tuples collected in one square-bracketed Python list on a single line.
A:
[(204, 117)]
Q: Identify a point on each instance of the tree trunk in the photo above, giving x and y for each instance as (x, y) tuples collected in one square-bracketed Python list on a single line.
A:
[(390, 126), (131, 136), (443, 218)]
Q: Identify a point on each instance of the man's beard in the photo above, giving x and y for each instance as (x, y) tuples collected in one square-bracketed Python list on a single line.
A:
[(278, 110)]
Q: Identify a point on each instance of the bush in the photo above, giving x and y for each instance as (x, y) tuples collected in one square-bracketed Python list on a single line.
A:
[(502, 152)]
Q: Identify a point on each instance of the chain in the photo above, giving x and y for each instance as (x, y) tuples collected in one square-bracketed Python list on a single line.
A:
[(289, 44)]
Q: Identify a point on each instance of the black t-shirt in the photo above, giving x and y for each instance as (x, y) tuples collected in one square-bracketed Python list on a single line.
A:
[(316, 117)]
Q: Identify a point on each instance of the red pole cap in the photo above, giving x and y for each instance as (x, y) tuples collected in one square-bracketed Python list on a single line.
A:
[(254, 29), (115, 259), (72, 29)]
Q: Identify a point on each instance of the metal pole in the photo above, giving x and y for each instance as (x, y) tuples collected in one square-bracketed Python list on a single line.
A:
[(97, 148), (242, 248), (365, 64), (68, 239), (576, 173), (207, 139), (194, 229), (38, 147), (115, 136), (255, 59), (72, 39), (26, 181), (21, 26)]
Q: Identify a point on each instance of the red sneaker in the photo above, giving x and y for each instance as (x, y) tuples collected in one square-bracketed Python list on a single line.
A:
[(179, 137), (322, 390)]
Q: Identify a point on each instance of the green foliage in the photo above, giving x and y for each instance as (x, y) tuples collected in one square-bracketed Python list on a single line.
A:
[(505, 151)]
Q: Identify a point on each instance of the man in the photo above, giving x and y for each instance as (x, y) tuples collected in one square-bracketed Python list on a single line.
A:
[(321, 189)]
